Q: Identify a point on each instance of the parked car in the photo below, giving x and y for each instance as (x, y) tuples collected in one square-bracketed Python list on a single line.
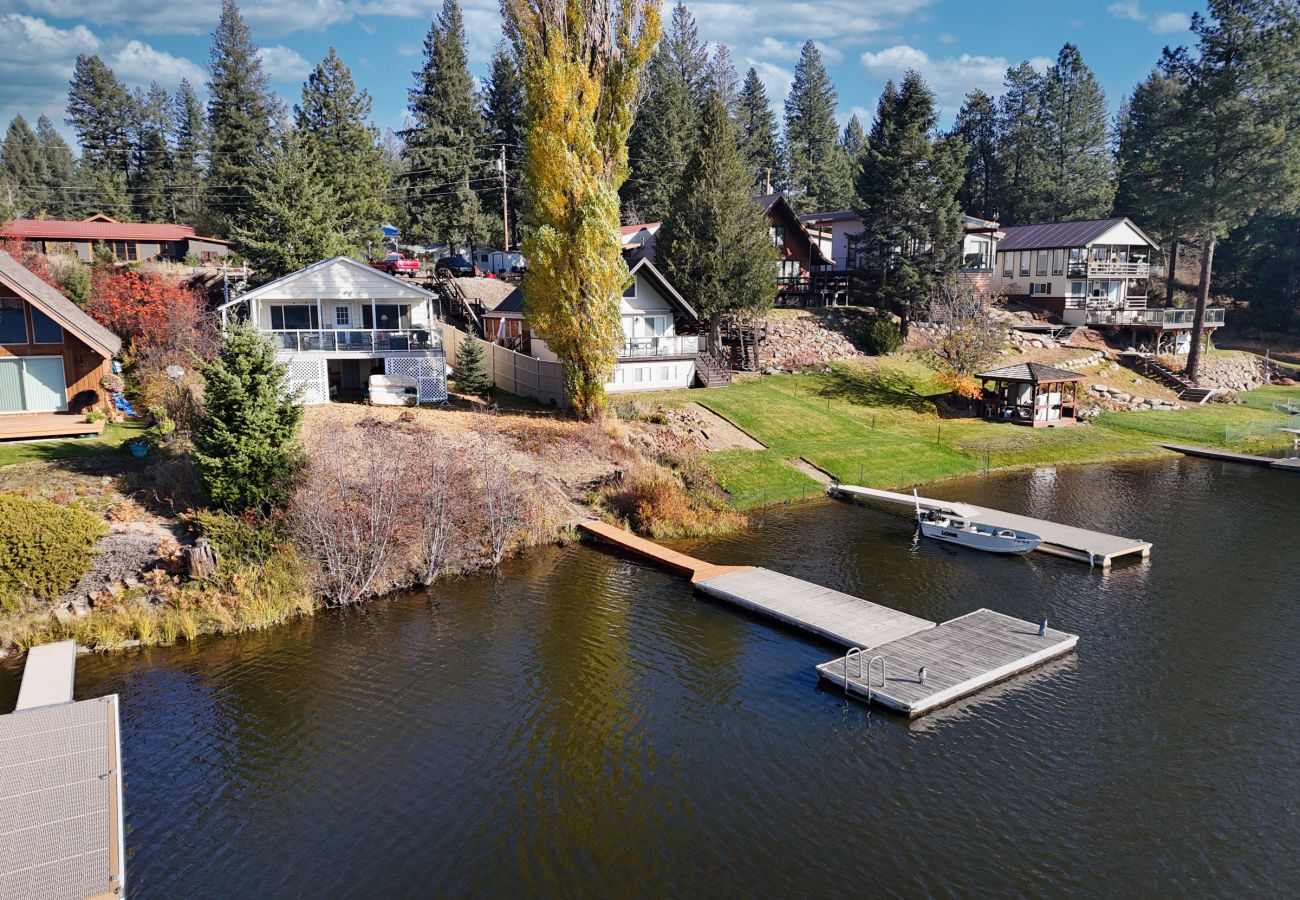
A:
[(396, 264), (457, 266)]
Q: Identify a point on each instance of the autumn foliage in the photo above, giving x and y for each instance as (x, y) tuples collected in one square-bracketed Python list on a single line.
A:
[(143, 308)]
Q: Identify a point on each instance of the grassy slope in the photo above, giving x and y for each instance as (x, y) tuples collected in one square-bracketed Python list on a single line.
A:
[(72, 448), (878, 425)]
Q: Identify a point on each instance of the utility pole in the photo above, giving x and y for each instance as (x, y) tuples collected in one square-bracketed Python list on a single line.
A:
[(505, 205), (767, 181)]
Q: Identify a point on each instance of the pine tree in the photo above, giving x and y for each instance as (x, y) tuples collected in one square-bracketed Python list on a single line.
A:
[(100, 111), (908, 186), (293, 212), (1235, 155), (444, 147), (817, 173), (1022, 167), (333, 127), (61, 171), (189, 157), (977, 125), (503, 115), (854, 139), (25, 188), (714, 246), (471, 371), (246, 445), (722, 77), (151, 161), (689, 56), (759, 147), (1075, 135), (240, 110)]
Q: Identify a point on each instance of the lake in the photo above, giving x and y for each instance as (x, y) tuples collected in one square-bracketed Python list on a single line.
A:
[(581, 724)]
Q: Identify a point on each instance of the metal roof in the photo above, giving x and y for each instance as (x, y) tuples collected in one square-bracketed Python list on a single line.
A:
[(61, 802), (1032, 373), (1060, 234), (69, 315), (100, 228), (513, 305)]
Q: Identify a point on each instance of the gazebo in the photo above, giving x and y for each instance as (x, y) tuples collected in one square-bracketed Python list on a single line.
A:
[(1031, 394)]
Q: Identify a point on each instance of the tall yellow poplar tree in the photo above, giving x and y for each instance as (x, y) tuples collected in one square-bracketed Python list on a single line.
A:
[(580, 61)]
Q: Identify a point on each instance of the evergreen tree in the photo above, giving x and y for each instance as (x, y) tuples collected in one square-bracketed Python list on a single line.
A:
[(240, 110), (759, 148), (61, 171), (333, 127), (714, 246), (503, 114), (151, 161), (908, 188), (246, 445), (25, 188), (977, 125), (293, 212), (100, 112), (189, 157), (854, 139), (102, 191), (689, 56), (444, 147), (471, 371), (722, 77), (1022, 166), (1235, 149), (817, 173), (1073, 130)]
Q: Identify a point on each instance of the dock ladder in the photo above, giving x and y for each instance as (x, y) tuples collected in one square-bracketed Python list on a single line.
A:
[(871, 662)]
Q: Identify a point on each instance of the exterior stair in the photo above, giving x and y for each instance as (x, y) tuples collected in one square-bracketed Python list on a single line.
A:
[(1066, 335), (710, 372), (1196, 395)]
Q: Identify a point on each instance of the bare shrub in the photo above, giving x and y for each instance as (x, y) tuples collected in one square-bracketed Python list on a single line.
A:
[(502, 507), (970, 338)]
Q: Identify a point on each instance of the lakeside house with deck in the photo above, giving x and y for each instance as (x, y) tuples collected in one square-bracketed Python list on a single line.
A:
[(1093, 273), (802, 250), (127, 241), (53, 359), (339, 321)]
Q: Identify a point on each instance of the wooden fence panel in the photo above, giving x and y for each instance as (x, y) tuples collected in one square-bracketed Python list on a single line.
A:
[(513, 372)]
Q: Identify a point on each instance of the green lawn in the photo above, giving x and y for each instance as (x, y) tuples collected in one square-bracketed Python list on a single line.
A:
[(878, 425), (71, 448)]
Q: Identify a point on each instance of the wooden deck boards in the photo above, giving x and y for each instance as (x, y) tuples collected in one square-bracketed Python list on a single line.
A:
[(693, 568), (1059, 540), (842, 618), (961, 657), (1272, 462), (37, 425)]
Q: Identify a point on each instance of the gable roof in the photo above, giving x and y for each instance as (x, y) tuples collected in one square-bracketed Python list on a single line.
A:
[(58, 307), (768, 202), (100, 228), (1031, 373), (514, 303), (842, 215), (278, 283), (512, 307), (1056, 235)]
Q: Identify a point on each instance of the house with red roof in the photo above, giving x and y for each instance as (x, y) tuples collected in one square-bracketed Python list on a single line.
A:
[(128, 241)]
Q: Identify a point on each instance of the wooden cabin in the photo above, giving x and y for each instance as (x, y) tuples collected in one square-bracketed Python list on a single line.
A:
[(128, 241), (53, 359), (1031, 394)]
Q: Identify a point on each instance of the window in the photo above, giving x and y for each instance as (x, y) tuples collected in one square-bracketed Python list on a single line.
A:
[(342, 315), (1058, 262), (1042, 263), (1078, 288), (1024, 262), (790, 268), (1007, 263), (666, 373), (126, 251), (13, 321), (294, 318), (641, 373), (778, 235), (1078, 268), (1040, 287), (44, 329), (390, 316)]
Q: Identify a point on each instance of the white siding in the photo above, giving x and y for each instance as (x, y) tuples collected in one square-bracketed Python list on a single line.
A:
[(342, 279), (1121, 234), (651, 375)]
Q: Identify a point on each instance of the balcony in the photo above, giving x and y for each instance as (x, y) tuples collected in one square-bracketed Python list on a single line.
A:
[(650, 347), (1099, 269), (358, 341), (1154, 318)]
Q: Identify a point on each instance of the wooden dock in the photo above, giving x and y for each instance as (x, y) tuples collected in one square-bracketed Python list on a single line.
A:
[(1285, 465), (959, 657), (1092, 547)]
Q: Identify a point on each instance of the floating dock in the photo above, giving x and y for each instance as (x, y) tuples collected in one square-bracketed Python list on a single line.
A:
[(1285, 465), (1093, 547), (960, 657), (61, 823)]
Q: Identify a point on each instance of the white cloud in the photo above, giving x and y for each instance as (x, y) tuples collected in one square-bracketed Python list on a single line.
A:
[(36, 65), (197, 17), (283, 64), (770, 48), (951, 78), (1131, 11), (775, 79), (945, 38), (1168, 23), (138, 63)]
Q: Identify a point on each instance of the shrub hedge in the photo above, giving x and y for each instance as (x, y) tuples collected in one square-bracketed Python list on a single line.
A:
[(44, 548)]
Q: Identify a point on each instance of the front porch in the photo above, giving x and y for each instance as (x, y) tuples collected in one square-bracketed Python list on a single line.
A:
[(28, 426)]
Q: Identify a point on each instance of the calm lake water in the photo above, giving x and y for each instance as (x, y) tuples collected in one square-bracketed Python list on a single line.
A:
[(584, 725)]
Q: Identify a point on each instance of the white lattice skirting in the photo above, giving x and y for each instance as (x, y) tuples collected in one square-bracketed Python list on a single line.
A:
[(311, 376), (429, 372)]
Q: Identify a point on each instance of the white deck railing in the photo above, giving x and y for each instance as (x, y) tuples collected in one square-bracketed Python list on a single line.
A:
[(1099, 269), (1162, 318), (680, 345), (355, 340)]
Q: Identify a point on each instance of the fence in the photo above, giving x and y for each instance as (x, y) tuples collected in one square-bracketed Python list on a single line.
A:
[(513, 372)]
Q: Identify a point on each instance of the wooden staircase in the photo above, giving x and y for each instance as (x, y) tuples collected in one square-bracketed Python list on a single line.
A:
[(711, 372), (452, 292), (1187, 390), (1066, 335)]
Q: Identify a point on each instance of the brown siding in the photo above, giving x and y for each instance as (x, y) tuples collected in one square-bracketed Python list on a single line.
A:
[(83, 368)]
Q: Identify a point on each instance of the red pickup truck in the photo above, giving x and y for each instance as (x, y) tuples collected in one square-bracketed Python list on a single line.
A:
[(396, 264)]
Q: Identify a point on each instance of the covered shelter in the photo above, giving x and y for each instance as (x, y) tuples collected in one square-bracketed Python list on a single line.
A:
[(1031, 394)]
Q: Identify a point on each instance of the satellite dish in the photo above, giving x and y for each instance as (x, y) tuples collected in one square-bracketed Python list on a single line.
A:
[(175, 372)]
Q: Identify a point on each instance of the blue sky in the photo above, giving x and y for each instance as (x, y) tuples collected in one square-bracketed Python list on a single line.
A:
[(956, 44)]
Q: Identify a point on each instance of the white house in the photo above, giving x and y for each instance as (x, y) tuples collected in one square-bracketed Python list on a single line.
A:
[(662, 347), (1092, 273), (339, 321)]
